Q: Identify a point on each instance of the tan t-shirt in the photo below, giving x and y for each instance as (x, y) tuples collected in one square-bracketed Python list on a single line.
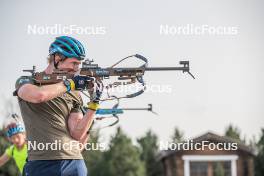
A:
[(46, 125)]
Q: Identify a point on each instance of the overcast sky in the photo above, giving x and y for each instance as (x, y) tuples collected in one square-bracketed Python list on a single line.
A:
[(228, 65)]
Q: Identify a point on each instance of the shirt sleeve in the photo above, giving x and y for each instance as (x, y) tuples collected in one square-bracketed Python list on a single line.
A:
[(21, 81), (9, 150)]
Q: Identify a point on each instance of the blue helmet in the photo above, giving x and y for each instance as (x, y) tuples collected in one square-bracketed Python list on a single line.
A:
[(68, 47), (14, 126), (14, 129)]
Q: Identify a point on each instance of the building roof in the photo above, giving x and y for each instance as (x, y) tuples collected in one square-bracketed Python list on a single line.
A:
[(209, 136)]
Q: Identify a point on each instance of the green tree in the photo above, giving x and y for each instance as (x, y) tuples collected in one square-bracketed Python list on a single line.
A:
[(233, 132), (177, 135), (122, 158), (10, 107), (149, 149), (259, 160), (93, 156), (10, 168)]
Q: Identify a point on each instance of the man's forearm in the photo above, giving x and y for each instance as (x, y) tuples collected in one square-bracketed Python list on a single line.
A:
[(35, 94), (83, 125), (84, 140), (53, 91)]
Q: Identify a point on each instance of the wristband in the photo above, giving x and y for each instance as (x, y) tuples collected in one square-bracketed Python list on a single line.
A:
[(69, 84), (93, 106)]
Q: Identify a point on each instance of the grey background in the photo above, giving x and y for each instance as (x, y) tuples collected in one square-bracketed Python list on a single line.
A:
[(228, 68)]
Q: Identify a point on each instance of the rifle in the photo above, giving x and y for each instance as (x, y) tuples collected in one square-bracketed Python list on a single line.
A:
[(115, 111), (134, 74)]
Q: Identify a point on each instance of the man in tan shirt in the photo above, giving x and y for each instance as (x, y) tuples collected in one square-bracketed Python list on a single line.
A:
[(52, 114)]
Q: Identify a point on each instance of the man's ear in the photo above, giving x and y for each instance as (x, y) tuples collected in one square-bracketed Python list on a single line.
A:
[(57, 58), (56, 61)]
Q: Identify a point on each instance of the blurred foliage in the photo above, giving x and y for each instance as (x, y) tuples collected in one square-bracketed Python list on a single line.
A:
[(177, 136), (148, 153), (122, 157), (233, 132), (9, 169), (259, 159), (93, 158)]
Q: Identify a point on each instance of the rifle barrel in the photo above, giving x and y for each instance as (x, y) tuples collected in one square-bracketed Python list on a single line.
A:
[(127, 109), (166, 68)]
